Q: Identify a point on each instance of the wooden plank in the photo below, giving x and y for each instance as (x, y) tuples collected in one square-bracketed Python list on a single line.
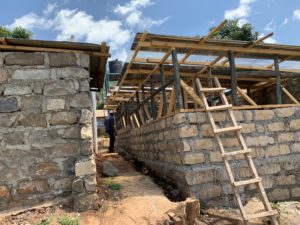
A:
[(246, 97), (160, 108), (227, 129), (191, 93), (278, 81), (171, 102), (246, 182), (178, 94), (164, 95), (153, 108), (289, 95), (233, 78), (136, 120)]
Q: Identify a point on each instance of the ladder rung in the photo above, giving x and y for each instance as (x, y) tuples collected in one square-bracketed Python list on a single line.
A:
[(227, 129), (217, 89), (219, 107), (239, 152), (245, 182), (262, 214)]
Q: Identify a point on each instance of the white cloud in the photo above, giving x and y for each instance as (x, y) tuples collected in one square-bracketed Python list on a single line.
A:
[(31, 21), (50, 8), (131, 6), (132, 11), (296, 14), (271, 26), (242, 11)]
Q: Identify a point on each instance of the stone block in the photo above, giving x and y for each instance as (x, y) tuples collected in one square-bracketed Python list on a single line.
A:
[(277, 150), (62, 59), (248, 115), (192, 118), (188, 131), (285, 180), (86, 148), (44, 169), (62, 87), (24, 59), (33, 120), (248, 128), (32, 186), (193, 158), (4, 192), (64, 150), (278, 126), (43, 136), (84, 60), (55, 104), (267, 169), (239, 115), (31, 74), (3, 75), (7, 119), (63, 184), (77, 185), (215, 156), (14, 138), (183, 146), (83, 168), (70, 132), (296, 147), (203, 144), (81, 100), (84, 202), (205, 130), (295, 124), (86, 132), (70, 72), (63, 118), (268, 182), (285, 137), (262, 140), (285, 112), (32, 104), (199, 177), (210, 191), (8, 104), (17, 89), (295, 192), (179, 118), (264, 115), (86, 116), (84, 85), (279, 194), (90, 183)]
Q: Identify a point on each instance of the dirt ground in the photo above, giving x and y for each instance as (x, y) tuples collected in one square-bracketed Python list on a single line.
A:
[(133, 198)]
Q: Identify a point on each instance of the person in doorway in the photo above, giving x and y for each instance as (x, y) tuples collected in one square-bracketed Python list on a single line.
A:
[(109, 124)]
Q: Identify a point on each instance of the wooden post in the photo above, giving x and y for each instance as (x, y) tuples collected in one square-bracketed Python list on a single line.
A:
[(164, 96), (278, 81), (233, 78), (137, 104), (178, 94), (153, 110)]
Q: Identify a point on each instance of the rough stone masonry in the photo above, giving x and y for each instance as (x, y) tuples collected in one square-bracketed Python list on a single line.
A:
[(182, 149), (45, 129)]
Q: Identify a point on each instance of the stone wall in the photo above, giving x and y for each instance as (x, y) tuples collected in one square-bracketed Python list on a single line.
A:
[(181, 148), (45, 129)]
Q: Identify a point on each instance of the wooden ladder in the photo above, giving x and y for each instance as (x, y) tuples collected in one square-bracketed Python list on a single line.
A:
[(236, 129)]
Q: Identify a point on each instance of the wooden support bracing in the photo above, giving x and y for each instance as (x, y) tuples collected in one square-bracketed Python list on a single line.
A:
[(226, 155), (233, 78), (164, 95), (289, 95), (278, 81), (172, 102), (153, 108), (178, 94), (246, 97)]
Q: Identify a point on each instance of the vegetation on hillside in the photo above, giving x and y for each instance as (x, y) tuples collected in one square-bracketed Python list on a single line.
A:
[(17, 32), (234, 31)]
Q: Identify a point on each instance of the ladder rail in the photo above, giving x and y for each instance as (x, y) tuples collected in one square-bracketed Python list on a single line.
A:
[(270, 213)]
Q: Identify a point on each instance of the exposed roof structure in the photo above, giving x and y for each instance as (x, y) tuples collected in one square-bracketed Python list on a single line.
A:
[(98, 53), (200, 57)]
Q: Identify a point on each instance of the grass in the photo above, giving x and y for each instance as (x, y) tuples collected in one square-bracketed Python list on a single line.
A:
[(44, 222), (65, 220), (113, 185)]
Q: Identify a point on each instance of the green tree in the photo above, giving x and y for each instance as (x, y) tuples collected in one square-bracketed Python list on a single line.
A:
[(4, 32), (20, 32), (17, 32), (233, 31)]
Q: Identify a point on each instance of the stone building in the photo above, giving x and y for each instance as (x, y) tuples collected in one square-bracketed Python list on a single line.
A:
[(46, 135)]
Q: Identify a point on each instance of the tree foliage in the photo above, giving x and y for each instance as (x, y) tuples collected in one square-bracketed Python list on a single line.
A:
[(17, 32), (233, 31)]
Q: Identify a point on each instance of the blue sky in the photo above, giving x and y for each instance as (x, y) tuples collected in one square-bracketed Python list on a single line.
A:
[(117, 21)]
